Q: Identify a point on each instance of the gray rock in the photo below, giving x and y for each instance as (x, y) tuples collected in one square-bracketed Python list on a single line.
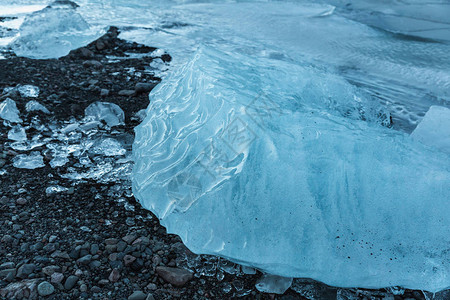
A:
[(7, 265), (114, 276), (70, 282), (21, 201), (7, 273), (175, 276), (128, 259), (127, 93), (25, 270), (144, 87), (111, 241), (45, 289), (94, 249), (104, 92), (137, 295), (49, 270), (92, 63), (60, 254), (121, 246), (57, 277), (85, 260)]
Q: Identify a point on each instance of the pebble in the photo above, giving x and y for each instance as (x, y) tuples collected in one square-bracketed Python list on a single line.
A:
[(21, 201), (92, 63), (45, 289), (175, 276), (57, 277), (70, 282), (114, 276), (85, 260), (49, 270), (137, 295), (143, 87), (128, 259), (111, 241), (25, 270), (127, 93), (104, 92)]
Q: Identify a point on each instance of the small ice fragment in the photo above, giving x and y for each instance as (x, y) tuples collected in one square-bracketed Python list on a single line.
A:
[(59, 161), (8, 89), (55, 189), (90, 125), (273, 284), (109, 147), (17, 133), (26, 145), (70, 127), (32, 161), (2, 172), (28, 91), (9, 111), (34, 105), (111, 113), (141, 114), (434, 130)]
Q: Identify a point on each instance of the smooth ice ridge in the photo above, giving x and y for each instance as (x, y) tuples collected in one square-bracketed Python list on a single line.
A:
[(289, 169), (52, 32)]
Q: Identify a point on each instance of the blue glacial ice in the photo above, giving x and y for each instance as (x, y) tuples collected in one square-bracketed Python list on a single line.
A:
[(53, 31), (290, 169)]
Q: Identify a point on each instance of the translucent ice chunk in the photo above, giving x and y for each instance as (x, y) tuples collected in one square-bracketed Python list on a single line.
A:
[(9, 111), (55, 189), (59, 161), (288, 169), (273, 284), (32, 161), (111, 113), (434, 130), (52, 32), (17, 133), (30, 91), (34, 105)]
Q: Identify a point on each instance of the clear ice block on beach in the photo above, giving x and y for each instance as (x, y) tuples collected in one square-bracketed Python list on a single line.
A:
[(110, 113), (290, 169), (52, 32), (9, 111)]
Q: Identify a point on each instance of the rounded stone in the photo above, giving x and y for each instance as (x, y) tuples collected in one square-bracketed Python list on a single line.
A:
[(45, 289)]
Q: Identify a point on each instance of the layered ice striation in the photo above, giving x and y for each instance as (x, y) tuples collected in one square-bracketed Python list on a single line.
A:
[(53, 31), (290, 169)]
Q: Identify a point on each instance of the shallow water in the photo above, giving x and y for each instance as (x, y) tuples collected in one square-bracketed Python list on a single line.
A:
[(405, 67)]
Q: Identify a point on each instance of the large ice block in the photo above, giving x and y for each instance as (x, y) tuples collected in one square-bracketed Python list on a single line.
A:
[(290, 169), (53, 31)]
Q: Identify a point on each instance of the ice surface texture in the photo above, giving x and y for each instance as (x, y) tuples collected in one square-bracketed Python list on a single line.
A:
[(289, 169), (52, 32), (434, 130)]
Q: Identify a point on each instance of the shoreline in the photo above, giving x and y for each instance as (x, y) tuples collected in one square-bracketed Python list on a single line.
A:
[(91, 239)]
